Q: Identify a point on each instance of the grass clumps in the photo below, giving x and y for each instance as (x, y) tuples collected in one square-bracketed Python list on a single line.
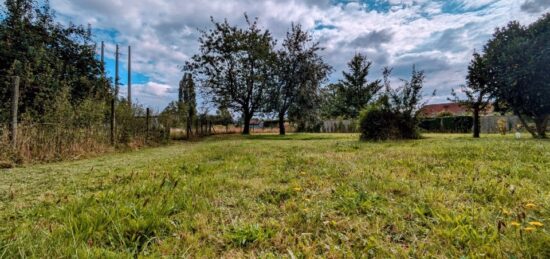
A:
[(299, 195)]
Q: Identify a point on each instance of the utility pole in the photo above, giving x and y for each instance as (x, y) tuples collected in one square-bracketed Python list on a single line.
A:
[(130, 76), (14, 108), (103, 59), (117, 78)]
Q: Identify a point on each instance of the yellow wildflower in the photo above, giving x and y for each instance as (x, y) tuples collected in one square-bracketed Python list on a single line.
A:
[(506, 212), (536, 224), (530, 206), (529, 229), (515, 224), (297, 189)]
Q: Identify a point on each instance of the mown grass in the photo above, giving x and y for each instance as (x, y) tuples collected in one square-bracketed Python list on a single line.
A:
[(302, 195)]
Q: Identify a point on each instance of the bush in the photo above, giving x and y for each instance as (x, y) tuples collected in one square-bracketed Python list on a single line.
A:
[(456, 124), (379, 123)]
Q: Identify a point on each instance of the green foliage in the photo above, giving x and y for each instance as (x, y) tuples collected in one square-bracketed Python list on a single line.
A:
[(236, 66), (298, 73), (451, 124), (477, 91), (518, 57), (50, 59), (354, 92), (377, 122), (395, 115)]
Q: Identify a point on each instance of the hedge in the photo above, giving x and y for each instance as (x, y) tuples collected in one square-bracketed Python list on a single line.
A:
[(456, 124)]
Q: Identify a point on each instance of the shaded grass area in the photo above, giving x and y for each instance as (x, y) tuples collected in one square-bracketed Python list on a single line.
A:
[(301, 195)]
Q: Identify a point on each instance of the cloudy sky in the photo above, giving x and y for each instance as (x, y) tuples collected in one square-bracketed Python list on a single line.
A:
[(438, 36)]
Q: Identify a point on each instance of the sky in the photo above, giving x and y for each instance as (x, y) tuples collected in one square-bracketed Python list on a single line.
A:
[(437, 36)]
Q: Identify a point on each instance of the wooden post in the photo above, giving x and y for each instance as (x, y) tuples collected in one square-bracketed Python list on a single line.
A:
[(113, 138), (147, 117), (130, 76), (14, 108)]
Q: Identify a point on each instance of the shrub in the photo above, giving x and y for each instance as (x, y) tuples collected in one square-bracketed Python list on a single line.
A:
[(395, 114), (455, 124), (380, 123), (502, 125)]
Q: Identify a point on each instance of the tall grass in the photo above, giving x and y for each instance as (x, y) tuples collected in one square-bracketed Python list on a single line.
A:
[(54, 142)]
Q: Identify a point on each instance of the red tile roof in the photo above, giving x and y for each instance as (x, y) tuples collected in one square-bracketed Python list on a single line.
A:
[(433, 110)]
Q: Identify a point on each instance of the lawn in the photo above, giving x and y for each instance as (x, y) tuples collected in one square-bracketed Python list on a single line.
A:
[(303, 195)]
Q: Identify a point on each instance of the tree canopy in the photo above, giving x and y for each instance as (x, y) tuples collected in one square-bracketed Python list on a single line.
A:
[(477, 90), (353, 93), (517, 59), (299, 72), (49, 58), (234, 64)]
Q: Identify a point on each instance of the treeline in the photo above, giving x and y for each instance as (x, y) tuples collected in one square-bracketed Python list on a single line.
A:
[(65, 98), (56, 64), (243, 69)]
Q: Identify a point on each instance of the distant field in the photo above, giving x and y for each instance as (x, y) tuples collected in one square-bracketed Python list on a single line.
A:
[(297, 196)]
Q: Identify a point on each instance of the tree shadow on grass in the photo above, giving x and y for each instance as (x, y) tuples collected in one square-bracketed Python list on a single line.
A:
[(299, 137)]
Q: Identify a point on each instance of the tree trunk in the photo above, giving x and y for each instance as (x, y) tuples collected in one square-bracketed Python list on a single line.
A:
[(477, 124), (189, 126), (282, 130), (542, 125), (526, 125), (247, 118)]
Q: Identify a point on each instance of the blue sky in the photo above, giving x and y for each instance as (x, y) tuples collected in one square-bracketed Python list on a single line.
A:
[(437, 36)]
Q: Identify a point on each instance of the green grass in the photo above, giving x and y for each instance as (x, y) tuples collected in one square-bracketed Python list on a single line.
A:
[(296, 196)]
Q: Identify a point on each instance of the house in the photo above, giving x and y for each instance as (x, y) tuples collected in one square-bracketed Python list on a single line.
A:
[(454, 109), (434, 110)]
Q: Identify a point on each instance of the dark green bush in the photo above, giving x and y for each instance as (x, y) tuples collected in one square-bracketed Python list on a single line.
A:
[(379, 123), (456, 124)]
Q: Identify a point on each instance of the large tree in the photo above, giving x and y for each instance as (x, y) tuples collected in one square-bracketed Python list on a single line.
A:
[(477, 90), (354, 92), (518, 58), (49, 58), (299, 71), (234, 64)]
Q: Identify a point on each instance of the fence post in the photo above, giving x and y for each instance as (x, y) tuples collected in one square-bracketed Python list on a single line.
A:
[(147, 117), (14, 108), (112, 131)]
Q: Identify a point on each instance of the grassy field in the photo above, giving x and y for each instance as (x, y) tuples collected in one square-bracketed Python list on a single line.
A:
[(295, 196)]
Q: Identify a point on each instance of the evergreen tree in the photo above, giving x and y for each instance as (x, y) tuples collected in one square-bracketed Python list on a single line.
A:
[(188, 102), (354, 92)]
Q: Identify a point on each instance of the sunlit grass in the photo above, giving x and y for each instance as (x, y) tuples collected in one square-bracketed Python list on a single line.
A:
[(299, 195)]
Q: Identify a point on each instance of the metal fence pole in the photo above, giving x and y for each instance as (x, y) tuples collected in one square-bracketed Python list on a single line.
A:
[(147, 118)]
